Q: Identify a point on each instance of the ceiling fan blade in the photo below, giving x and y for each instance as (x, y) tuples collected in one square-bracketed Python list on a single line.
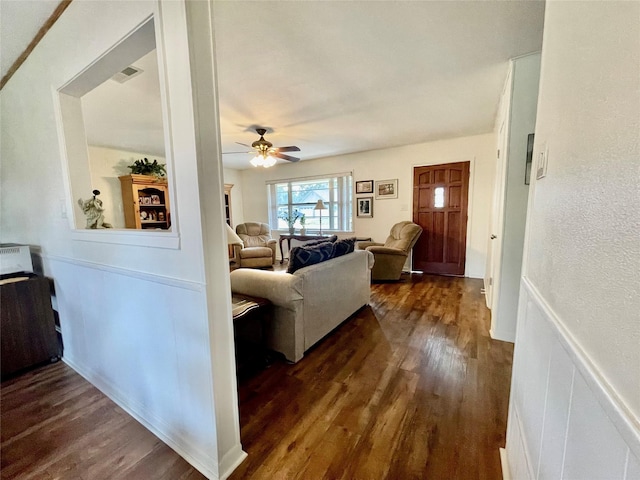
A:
[(244, 144), (292, 148), (230, 153), (286, 157)]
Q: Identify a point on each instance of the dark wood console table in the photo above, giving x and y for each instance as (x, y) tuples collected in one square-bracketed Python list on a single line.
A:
[(303, 238)]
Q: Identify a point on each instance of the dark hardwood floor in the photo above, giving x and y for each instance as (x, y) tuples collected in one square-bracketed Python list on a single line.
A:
[(56, 425), (411, 387)]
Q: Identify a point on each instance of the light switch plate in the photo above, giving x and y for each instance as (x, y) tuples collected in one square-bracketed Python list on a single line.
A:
[(541, 165)]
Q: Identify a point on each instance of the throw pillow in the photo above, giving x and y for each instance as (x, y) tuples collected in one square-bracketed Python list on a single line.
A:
[(332, 238), (344, 246), (304, 256)]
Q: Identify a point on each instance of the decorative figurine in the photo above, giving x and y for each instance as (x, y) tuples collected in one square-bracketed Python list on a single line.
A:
[(93, 209)]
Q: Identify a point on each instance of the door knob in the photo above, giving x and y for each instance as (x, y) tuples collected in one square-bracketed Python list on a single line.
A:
[(493, 237)]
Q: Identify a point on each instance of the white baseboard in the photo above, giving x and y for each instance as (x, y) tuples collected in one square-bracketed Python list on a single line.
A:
[(231, 460), (502, 336), (504, 462)]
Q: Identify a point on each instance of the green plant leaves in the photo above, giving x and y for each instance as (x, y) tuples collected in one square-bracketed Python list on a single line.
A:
[(145, 167)]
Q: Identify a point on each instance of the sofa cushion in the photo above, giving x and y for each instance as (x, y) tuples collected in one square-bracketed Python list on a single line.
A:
[(304, 255), (344, 246)]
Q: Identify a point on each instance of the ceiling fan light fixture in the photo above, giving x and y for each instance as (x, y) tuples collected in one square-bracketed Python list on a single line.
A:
[(263, 160), (266, 155), (269, 161)]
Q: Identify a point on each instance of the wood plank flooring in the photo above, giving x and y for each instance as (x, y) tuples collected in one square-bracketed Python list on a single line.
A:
[(411, 387), (56, 425)]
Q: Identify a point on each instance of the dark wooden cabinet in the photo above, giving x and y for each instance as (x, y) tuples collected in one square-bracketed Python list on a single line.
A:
[(27, 334)]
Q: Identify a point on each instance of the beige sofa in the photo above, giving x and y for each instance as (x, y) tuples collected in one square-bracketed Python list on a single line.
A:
[(311, 302)]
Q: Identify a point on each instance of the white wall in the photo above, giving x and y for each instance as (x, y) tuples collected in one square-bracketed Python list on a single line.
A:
[(575, 404), (137, 321), (106, 165), (522, 101), (398, 163)]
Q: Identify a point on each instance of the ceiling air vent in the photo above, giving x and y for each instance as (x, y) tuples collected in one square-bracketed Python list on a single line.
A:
[(127, 74)]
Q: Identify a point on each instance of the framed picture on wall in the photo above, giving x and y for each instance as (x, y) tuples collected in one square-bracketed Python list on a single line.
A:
[(365, 207), (386, 189), (364, 186)]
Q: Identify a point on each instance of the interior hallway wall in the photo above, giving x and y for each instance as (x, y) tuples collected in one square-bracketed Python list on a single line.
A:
[(575, 402), (135, 318)]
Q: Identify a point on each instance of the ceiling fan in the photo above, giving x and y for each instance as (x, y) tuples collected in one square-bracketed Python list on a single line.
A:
[(266, 153)]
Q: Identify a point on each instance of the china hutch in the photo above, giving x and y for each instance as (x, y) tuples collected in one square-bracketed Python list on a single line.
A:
[(145, 201)]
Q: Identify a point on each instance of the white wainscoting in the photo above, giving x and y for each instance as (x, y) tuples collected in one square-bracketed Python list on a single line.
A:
[(143, 340), (565, 420)]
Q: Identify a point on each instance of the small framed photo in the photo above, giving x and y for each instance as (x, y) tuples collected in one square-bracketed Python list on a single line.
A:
[(155, 199), (386, 189), (365, 207), (364, 186), (145, 200)]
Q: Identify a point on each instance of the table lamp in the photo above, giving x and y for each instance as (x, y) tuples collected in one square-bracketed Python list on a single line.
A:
[(320, 206), (232, 237)]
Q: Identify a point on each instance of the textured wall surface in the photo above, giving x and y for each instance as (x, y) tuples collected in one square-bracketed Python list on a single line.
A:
[(575, 399), (584, 247)]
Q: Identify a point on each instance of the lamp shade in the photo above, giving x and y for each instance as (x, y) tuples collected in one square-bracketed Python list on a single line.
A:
[(232, 237), (320, 205)]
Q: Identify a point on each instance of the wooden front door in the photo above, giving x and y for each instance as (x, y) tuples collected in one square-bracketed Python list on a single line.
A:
[(440, 194)]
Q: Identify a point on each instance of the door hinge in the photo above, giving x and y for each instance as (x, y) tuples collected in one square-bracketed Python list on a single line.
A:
[(498, 153), (490, 281)]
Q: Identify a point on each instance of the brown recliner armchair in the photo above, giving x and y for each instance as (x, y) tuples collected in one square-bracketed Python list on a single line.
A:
[(259, 248), (391, 255)]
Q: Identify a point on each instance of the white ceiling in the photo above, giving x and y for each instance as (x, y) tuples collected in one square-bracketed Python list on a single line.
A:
[(19, 23), (342, 77), (127, 116), (346, 76)]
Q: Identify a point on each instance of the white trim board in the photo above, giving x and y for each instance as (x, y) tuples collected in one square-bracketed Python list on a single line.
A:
[(149, 277)]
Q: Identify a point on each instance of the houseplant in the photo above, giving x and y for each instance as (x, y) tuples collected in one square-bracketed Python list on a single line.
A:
[(145, 167), (291, 218)]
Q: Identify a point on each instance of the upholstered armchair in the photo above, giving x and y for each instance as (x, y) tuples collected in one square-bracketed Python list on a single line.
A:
[(259, 248), (391, 255)]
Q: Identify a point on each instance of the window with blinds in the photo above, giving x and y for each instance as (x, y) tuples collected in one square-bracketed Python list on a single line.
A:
[(302, 194)]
